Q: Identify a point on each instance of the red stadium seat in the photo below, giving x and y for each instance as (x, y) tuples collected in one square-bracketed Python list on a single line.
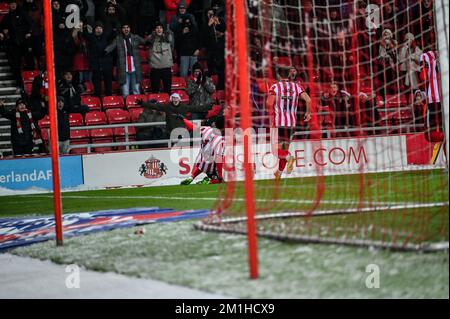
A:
[(145, 85), (112, 102), (117, 116), (76, 119), (78, 142), (100, 133), (132, 99), (45, 122), (184, 96), (95, 118), (45, 134), (89, 88), (162, 98), (28, 76), (4, 8), (134, 113), (178, 83), (79, 134), (120, 131), (92, 102)]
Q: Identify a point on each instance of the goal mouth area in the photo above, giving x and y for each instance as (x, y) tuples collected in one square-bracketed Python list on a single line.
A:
[(237, 225)]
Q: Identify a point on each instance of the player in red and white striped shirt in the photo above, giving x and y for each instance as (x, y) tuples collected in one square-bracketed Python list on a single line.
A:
[(210, 157), (284, 98), (429, 73)]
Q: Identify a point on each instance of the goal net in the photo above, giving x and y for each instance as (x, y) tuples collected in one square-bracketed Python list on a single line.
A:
[(370, 167)]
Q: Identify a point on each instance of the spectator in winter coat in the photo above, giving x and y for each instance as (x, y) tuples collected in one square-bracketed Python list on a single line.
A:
[(16, 28), (63, 125), (71, 92), (112, 17), (161, 61), (171, 7), (200, 89), (181, 18), (129, 69), (101, 64), (148, 133), (188, 47), (25, 134), (175, 107)]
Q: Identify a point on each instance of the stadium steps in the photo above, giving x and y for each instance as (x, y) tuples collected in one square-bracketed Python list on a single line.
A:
[(9, 96)]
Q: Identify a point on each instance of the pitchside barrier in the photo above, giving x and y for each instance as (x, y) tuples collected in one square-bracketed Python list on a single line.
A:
[(157, 167)]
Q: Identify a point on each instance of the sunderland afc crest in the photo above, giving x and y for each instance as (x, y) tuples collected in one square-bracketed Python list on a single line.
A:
[(153, 168)]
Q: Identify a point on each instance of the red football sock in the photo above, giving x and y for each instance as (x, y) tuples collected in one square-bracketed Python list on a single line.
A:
[(195, 172), (282, 159), (219, 170)]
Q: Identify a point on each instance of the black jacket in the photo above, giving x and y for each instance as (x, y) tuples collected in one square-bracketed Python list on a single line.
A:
[(171, 111), (26, 138), (63, 124), (18, 24), (72, 96), (98, 60), (187, 43)]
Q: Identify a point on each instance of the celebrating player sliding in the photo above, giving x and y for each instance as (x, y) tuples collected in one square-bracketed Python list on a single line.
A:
[(282, 103)]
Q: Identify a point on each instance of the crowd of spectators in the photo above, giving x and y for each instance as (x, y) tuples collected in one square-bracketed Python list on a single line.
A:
[(361, 58), (105, 47)]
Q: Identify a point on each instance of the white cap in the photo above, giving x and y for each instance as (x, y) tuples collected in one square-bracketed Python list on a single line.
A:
[(175, 95)]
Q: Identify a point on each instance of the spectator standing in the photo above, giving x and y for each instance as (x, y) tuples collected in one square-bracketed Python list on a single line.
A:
[(16, 28), (171, 7), (200, 89), (214, 41), (25, 134), (129, 69), (388, 62), (33, 8), (80, 59), (188, 47), (181, 18), (161, 61), (101, 64), (112, 17), (409, 63), (338, 101), (147, 17), (63, 125)]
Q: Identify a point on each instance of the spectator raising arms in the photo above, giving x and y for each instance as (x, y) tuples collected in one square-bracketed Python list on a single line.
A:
[(161, 60), (25, 134), (129, 69), (101, 64), (188, 47)]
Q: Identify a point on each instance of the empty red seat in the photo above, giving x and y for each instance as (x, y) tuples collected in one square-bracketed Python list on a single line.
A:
[(117, 116), (79, 134), (131, 100), (134, 113), (113, 102), (120, 131), (101, 149), (4, 8), (88, 88), (162, 98), (28, 76), (44, 122), (92, 102), (178, 83), (80, 141), (95, 118), (76, 119), (98, 133)]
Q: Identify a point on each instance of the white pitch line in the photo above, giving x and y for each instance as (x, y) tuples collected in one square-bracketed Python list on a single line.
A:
[(296, 201)]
